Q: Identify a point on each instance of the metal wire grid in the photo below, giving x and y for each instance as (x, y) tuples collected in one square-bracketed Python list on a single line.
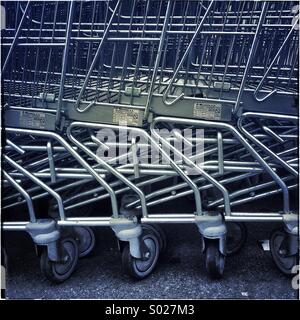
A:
[(99, 52)]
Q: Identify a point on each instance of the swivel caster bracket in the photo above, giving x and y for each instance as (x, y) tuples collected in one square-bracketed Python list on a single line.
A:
[(212, 227), (45, 232), (129, 230)]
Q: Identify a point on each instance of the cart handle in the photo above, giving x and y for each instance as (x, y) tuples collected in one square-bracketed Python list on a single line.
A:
[(23, 193)]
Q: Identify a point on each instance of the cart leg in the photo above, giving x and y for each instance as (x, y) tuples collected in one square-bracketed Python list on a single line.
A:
[(285, 246), (152, 228), (58, 253), (213, 231), (140, 247)]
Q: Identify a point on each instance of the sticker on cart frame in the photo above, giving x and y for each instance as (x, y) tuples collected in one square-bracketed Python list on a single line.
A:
[(210, 111), (124, 116), (33, 120)]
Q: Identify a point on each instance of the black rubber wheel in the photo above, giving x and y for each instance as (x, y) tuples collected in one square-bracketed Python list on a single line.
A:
[(141, 268), (58, 272), (85, 237), (159, 233), (214, 259), (278, 245), (236, 236)]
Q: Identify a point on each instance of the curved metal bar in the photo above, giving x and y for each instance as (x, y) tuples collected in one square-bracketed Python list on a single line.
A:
[(183, 185), (24, 194), (105, 164), (260, 144), (243, 141), (144, 134), (32, 20), (38, 182), (255, 188), (261, 196), (81, 161), (191, 163)]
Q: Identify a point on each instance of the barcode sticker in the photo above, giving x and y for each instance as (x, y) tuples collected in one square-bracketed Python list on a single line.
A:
[(209, 111), (124, 116), (35, 120)]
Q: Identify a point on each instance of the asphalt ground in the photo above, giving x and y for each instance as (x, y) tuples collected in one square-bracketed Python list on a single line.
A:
[(180, 273)]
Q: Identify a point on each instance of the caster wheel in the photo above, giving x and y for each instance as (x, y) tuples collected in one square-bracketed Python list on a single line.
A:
[(141, 268), (159, 232), (58, 272), (236, 237), (86, 240), (279, 247), (214, 259)]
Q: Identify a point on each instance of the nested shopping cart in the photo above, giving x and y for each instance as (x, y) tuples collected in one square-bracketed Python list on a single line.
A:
[(143, 104)]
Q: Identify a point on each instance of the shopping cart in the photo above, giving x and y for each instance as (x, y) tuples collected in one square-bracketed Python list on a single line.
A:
[(143, 104)]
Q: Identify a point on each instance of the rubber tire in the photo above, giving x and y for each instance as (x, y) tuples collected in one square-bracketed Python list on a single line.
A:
[(231, 250), (214, 259), (86, 239), (281, 262), (49, 268), (161, 235), (130, 264)]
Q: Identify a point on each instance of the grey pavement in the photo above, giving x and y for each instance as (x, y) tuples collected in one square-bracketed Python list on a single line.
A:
[(180, 273)]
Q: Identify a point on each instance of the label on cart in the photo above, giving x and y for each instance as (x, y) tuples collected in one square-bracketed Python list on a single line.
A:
[(209, 111), (126, 116), (33, 120)]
